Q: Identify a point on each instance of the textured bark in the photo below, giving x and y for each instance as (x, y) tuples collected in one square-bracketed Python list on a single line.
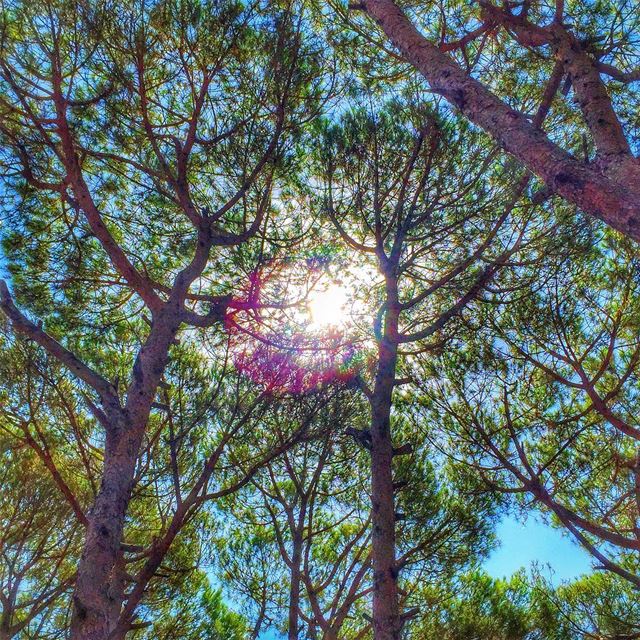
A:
[(592, 96), (608, 190), (386, 615), (99, 591)]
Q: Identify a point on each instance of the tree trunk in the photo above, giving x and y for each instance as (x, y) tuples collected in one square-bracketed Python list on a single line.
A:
[(5, 619), (386, 619), (294, 590), (99, 590), (609, 190)]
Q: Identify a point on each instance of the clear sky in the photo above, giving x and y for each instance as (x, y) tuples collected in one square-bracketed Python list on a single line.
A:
[(523, 542)]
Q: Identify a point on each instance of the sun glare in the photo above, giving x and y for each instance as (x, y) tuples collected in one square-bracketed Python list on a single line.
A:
[(327, 307)]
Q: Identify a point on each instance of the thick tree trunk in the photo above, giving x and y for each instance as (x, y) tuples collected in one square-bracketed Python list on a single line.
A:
[(386, 616), (607, 190), (99, 590), (5, 620)]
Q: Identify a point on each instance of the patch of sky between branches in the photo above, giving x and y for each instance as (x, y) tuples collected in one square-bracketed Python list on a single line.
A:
[(528, 541)]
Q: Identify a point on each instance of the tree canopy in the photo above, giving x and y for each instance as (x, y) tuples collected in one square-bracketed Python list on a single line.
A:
[(300, 299)]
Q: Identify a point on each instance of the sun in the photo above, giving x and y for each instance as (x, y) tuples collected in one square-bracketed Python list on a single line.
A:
[(327, 306), (309, 328)]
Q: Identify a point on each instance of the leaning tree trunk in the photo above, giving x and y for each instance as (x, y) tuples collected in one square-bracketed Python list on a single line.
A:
[(607, 189)]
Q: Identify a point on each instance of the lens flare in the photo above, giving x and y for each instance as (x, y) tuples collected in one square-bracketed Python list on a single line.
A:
[(300, 328)]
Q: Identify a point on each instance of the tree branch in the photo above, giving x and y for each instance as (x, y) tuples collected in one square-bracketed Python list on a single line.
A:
[(78, 368)]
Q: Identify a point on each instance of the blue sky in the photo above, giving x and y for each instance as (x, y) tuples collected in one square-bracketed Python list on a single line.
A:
[(523, 542)]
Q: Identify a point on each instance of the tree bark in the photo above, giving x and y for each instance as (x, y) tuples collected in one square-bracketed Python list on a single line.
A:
[(294, 589), (609, 190), (5, 619), (99, 590), (386, 616)]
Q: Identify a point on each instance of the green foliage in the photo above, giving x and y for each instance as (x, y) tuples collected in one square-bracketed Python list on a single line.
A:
[(196, 613), (518, 321)]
